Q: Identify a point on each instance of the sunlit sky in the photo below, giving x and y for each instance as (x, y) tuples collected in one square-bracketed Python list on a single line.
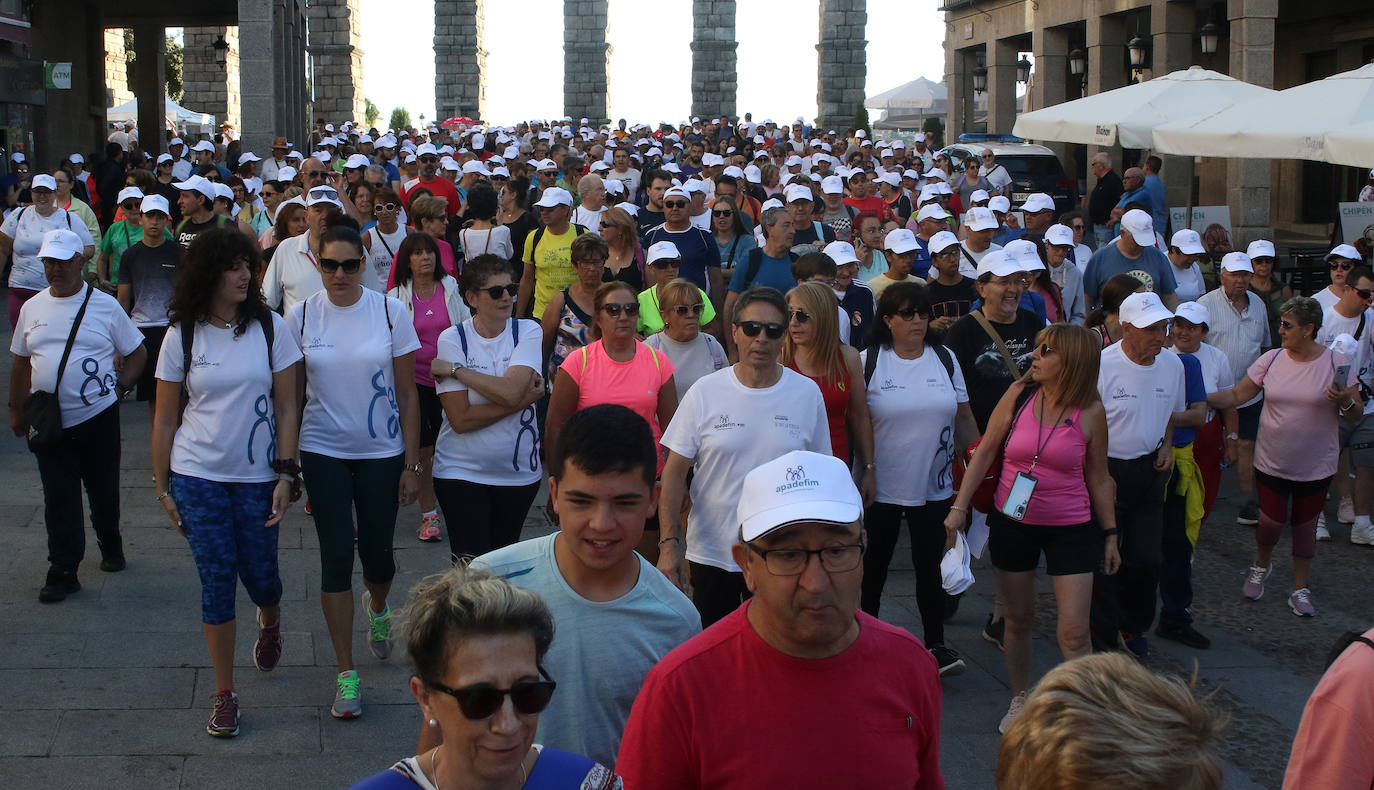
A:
[(651, 63)]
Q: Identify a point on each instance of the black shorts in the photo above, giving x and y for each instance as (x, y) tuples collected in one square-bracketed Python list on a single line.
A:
[(1248, 428), (147, 380), (431, 415), (1016, 547)]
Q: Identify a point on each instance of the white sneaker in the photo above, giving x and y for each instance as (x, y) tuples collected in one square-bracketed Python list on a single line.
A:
[(1017, 703), (1346, 512), (1322, 532), (1362, 536)]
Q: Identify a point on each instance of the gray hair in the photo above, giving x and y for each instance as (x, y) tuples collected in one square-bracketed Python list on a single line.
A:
[(771, 216), (1307, 310), (586, 185), (462, 603), (377, 170)]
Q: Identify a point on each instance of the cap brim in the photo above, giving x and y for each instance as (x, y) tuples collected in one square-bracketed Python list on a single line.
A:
[(1147, 241), (774, 519), (1151, 317)]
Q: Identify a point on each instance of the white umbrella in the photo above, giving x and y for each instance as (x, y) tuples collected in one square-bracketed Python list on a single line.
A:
[(1126, 116), (1291, 124), (1353, 145), (919, 94)]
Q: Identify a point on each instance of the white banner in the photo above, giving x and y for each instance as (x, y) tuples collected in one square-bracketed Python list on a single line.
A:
[(1201, 217), (1355, 217)]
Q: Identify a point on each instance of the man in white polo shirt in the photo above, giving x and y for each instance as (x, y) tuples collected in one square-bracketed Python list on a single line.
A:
[(1240, 328), (294, 272), (982, 226), (1142, 385)]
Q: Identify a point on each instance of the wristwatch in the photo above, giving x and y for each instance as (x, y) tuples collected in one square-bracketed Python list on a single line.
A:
[(416, 468), (1232, 436), (454, 368)]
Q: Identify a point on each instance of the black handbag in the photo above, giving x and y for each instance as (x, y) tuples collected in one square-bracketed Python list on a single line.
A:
[(41, 410)]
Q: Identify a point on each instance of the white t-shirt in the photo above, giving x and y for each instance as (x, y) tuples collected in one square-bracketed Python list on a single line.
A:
[(294, 274), (88, 385), (997, 175), (589, 218), (1189, 284), (229, 431), (729, 429), (495, 241), (1081, 255), (969, 268), (382, 254), (1333, 323), (26, 226), (1139, 400), (505, 453), (702, 221), (350, 385), (1216, 371), (691, 361), (913, 403), (630, 178), (1326, 298)]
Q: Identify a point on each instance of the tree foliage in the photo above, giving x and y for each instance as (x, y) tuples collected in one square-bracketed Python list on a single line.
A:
[(400, 119), (935, 132), (175, 90), (370, 112)]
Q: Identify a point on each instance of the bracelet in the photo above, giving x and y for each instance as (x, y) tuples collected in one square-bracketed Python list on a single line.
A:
[(163, 496), (960, 509), (1107, 533), (869, 467), (670, 537), (286, 466), (286, 479)]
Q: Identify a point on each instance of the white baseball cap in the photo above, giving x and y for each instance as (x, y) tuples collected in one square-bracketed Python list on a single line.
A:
[(980, 218), (164, 158), (155, 203), (475, 166), (129, 192), (663, 250), (798, 487), (1037, 202), (1000, 204), (426, 148), (931, 211), (1142, 310), (753, 174), (79, 159), (1236, 262), (197, 183), (1025, 254), (61, 245), (629, 208), (554, 196), (832, 185), (1344, 251), (223, 191), (286, 174), (979, 196), (1140, 225), (911, 174), (936, 172), (841, 252), (1188, 242), (998, 263), (676, 191), (248, 156), (318, 195), (1194, 313), (891, 179), (1261, 248), (1058, 235), (795, 192), (941, 241), (613, 187), (900, 240), (203, 145), (18, 157), (356, 161)]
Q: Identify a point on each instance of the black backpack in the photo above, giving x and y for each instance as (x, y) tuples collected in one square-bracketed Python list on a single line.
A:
[(871, 361), (756, 262), (188, 337)]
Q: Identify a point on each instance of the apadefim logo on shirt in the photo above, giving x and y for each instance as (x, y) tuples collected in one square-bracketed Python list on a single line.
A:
[(316, 344), (795, 478), (724, 423)]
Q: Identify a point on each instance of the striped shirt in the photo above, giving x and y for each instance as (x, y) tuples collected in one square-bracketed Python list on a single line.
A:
[(1240, 334)]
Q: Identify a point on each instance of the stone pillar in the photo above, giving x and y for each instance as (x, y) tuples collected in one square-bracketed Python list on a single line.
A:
[(272, 70), (460, 59), (1173, 30), (586, 57), (715, 81), (1252, 59), (150, 84), (1001, 86), (211, 87), (337, 60), (957, 64), (1106, 41), (1050, 82), (841, 84), (117, 88)]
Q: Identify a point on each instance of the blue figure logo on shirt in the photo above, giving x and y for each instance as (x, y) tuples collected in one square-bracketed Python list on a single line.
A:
[(526, 426), (103, 384), (944, 459), (265, 418), (381, 391)]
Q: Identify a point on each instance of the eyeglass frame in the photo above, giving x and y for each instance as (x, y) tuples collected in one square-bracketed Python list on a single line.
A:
[(862, 546)]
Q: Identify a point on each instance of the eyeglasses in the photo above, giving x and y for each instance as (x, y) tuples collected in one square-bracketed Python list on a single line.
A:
[(675, 204), (482, 700), (685, 309), (1046, 349), (726, 213), (376, 185), (614, 309), (666, 263), (349, 265), (129, 205), (752, 329), (1344, 266), (1364, 293), (497, 291), (909, 314), (428, 159), (378, 208), (1287, 324), (800, 316), (987, 156), (595, 261), (315, 176), (792, 562)]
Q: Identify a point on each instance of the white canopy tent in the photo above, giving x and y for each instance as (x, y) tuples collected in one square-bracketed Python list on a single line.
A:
[(1291, 124), (176, 115), (1128, 116), (1353, 145), (919, 94)]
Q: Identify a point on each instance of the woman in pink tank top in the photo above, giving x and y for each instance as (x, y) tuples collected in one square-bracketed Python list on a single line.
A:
[(1052, 432)]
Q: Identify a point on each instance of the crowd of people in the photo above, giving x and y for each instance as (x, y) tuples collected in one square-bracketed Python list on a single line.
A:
[(732, 348)]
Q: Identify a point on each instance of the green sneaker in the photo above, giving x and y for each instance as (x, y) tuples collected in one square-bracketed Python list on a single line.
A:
[(379, 628), (348, 701)]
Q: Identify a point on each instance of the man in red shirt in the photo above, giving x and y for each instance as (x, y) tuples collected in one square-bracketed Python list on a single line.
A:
[(851, 701), (429, 180), (862, 198)]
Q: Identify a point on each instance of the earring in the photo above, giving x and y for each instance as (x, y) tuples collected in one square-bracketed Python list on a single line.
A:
[(433, 723)]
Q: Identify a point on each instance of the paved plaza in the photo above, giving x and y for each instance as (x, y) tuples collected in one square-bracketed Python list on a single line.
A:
[(111, 688)]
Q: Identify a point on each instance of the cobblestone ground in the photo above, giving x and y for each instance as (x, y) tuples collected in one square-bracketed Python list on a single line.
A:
[(110, 689)]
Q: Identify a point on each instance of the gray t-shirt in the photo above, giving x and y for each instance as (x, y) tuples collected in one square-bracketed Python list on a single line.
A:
[(151, 273), (701, 357), (1152, 269), (601, 651)]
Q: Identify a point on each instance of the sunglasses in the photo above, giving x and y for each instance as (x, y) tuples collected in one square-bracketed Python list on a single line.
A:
[(675, 204), (129, 205), (666, 263), (614, 309), (376, 185), (496, 291), (1364, 293), (428, 159), (482, 700), (1045, 349), (1344, 266), (800, 316), (1287, 324), (378, 208), (689, 309), (349, 265), (722, 213), (909, 314), (326, 193), (752, 329)]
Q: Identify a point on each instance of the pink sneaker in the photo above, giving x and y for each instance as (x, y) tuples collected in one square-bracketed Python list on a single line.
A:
[(224, 720), (429, 528), (1301, 603), (1254, 582)]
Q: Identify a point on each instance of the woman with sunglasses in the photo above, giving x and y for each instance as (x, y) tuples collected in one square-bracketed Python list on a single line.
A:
[(921, 421), (1298, 444), (1339, 262), (568, 319), (664, 261), (291, 222), (429, 214), (814, 349), (1053, 496), (624, 255), (383, 240), (732, 238), (435, 304), (480, 234), (486, 458), (474, 640), (359, 441), (682, 307), (616, 367), (969, 181), (717, 429)]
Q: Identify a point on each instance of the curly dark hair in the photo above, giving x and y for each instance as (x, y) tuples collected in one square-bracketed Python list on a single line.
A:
[(478, 270), (210, 255), (482, 203)]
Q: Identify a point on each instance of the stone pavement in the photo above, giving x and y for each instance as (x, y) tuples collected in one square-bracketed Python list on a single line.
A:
[(111, 688)]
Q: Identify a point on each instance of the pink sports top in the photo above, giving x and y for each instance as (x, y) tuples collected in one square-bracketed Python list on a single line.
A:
[(1061, 495)]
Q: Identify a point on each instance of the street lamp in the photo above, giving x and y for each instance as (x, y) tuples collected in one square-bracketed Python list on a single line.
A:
[(1136, 48), (1023, 70), (1210, 35), (221, 50), (980, 79), (1078, 63)]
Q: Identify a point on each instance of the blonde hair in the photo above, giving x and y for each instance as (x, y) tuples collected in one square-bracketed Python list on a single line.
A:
[(819, 301), (620, 218), (1105, 721), (678, 292), (427, 207), (1080, 355), (462, 602)]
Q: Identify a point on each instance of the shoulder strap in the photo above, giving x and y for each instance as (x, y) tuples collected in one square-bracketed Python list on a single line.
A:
[(188, 337), (20, 216), (871, 362), (1360, 329), (71, 338), (181, 225), (946, 359), (755, 263), (968, 256), (386, 311), (514, 334), (731, 258), (269, 333), (578, 230), (462, 341), (534, 246), (997, 339)]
